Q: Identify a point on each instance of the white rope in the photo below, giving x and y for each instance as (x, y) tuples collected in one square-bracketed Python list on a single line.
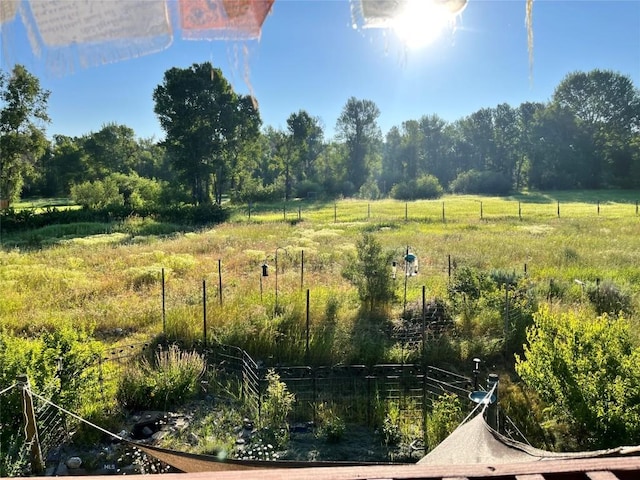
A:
[(7, 389), (78, 417)]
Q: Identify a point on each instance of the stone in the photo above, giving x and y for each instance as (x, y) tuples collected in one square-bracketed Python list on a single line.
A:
[(159, 435), (74, 462), (147, 432)]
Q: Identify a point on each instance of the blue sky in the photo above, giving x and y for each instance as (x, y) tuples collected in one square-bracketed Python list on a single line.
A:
[(310, 57)]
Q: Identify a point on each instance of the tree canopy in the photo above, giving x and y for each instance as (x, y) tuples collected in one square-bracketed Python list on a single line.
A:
[(23, 114), (205, 123)]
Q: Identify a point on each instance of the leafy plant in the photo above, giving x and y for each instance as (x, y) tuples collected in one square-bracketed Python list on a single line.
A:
[(445, 416), (585, 369), (370, 272), (276, 405), (332, 426), (607, 297)]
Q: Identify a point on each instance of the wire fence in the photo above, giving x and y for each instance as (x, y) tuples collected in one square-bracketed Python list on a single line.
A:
[(437, 210)]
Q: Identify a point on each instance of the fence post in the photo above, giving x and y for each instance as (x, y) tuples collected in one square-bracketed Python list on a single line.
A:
[(204, 313), (481, 213), (449, 268), (519, 210), (301, 269), (558, 208), (164, 312), (220, 279), (335, 213), (424, 323), (249, 211), (443, 220), (307, 351), (598, 207), (406, 211), (30, 428)]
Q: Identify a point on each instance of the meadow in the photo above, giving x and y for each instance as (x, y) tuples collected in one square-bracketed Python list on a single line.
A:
[(108, 278)]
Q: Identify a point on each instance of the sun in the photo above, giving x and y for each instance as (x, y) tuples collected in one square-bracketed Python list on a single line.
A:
[(420, 22)]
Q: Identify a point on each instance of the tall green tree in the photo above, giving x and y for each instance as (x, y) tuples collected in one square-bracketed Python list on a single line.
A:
[(23, 116), (606, 107), (205, 122), (357, 127), (112, 149), (306, 134)]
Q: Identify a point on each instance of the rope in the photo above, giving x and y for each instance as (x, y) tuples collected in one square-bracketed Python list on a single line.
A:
[(78, 417), (7, 389)]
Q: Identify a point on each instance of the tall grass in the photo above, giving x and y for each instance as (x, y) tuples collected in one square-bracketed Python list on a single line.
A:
[(112, 282)]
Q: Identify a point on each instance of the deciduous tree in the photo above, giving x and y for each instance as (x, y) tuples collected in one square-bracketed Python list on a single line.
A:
[(205, 121), (23, 116)]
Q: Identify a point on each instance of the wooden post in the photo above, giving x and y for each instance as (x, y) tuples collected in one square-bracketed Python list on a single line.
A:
[(335, 213), (204, 313), (307, 351), (424, 323), (519, 210), (406, 211), (481, 213), (220, 279), (249, 211), (558, 208), (30, 428), (301, 269), (164, 312), (598, 207), (443, 212)]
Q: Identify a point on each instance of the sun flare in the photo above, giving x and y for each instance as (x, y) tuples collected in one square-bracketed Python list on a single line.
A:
[(420, 22)]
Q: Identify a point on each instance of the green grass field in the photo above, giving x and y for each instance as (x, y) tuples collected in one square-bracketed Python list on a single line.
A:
[(110, 278)]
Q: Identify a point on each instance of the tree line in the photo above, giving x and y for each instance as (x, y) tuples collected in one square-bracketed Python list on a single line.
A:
[(586, 136)]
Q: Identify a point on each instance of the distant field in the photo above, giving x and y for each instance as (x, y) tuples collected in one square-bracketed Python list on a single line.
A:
[(112, 281)]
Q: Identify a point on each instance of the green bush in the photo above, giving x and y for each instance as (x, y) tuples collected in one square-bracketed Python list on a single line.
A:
[(171, 379), (277, 404), (61, 365), (481, 182), (607, 297), (332, 426), (98, 194), (424, 187), (445, 416)]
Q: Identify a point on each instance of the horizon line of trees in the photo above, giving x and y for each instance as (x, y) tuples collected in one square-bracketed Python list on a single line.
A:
[(586, 137)]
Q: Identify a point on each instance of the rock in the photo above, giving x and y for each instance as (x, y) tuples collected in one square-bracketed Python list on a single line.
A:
[(159, 435), (193, 439), (74, 462), (62, 470), (147, 432)]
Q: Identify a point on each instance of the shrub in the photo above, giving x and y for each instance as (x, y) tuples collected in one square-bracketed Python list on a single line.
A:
[(277, 404), (370, 190), (308, 189), (424, 187), (445, 416), (607, 297), (98, 194), (481, 182), (332, 426), (391, 433), (371, 273), (170, 380)]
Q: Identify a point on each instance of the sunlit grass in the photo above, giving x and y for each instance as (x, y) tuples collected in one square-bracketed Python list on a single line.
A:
[(110, 277)]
